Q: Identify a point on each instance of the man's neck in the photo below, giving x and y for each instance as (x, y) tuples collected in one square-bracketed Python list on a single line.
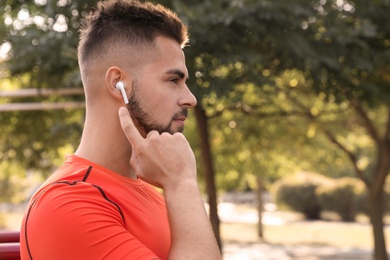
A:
[(107, 146)]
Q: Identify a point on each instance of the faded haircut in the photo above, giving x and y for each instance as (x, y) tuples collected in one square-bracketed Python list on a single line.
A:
[(128, 22)]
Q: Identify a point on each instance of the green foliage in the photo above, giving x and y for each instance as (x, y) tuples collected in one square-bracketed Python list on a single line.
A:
[(298, 192), (43, 37), (9, 185), (16, 184), (305, 61), (341, 46), (34, 138), (341, 196)]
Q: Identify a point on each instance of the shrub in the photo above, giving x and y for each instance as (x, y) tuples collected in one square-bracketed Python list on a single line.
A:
[(363, 205), (342, 196), (298, 193)]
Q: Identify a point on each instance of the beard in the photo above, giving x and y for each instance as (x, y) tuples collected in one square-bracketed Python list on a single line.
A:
[(144, 120)]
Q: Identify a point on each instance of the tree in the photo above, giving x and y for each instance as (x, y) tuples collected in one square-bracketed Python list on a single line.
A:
[(342, 50), (353, 70), (43, 39), (327, 59)]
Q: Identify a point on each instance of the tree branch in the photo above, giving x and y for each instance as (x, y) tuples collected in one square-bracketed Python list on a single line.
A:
[(332, 138), (350, 155), (366, 122)]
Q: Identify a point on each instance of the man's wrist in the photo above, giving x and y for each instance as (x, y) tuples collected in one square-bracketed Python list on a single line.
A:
[(181, 184)]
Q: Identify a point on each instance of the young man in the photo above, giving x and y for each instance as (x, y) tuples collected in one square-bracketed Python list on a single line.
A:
[(100, 204)]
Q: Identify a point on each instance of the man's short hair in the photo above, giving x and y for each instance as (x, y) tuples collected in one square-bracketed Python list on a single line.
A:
[(127, 22)]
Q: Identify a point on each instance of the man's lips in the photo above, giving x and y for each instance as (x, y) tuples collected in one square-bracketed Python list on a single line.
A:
[(180, 118)]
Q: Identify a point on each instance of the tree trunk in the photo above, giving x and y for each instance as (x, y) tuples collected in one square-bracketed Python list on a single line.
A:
[(376, 217), (375, 183), (208, 168), (260, 189), (377, 199)]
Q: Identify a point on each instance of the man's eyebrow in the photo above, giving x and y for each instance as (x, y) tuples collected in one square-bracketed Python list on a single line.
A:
[(177, 72)]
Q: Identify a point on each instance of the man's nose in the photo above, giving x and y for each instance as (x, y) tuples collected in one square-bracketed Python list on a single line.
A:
[(188, 100)]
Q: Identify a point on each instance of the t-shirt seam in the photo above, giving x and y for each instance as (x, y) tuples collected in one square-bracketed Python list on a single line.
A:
[(71, 183)]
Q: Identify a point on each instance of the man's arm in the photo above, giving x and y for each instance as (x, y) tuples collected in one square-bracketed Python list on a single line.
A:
[(192, 236), (168, 161)]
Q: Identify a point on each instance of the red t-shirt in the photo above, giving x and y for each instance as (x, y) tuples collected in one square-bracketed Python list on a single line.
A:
[(85, 211)]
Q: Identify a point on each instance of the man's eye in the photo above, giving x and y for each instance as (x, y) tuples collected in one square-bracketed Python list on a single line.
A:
[(174, 80)]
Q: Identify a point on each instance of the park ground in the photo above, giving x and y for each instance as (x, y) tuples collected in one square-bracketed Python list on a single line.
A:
[(287, 236)]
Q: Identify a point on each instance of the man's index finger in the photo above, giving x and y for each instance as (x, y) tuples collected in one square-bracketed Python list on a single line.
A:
[(128, 126)]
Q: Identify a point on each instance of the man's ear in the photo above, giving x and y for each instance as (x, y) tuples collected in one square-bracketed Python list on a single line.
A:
[(115, 74)]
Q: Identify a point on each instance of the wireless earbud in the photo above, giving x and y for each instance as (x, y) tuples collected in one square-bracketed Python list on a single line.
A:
[(120, 86)]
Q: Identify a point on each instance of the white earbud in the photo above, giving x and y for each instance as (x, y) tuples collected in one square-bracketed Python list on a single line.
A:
[(120, 86)]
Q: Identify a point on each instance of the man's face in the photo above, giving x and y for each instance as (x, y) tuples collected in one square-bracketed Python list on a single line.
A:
[(160, 97), (145, 121)]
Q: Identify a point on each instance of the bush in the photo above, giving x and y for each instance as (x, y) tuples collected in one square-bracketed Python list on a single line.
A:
[(309, 193), (298, 192), (343, 196), (363, 205)]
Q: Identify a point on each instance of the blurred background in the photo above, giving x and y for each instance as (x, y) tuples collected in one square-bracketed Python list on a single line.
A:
[(291, 131)]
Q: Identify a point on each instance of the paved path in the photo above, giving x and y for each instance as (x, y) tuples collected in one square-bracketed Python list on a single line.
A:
[(263, 251), (251, 250)]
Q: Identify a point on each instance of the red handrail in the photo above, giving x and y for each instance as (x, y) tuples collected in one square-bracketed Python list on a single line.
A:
[(9, 245), (9, 236), (10, 251)]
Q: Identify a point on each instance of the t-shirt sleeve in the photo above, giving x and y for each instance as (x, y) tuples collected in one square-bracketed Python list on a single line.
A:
[(78, 222)]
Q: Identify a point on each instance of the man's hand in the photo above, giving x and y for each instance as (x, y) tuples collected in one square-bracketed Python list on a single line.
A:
[(162, 160), (167, 161)]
